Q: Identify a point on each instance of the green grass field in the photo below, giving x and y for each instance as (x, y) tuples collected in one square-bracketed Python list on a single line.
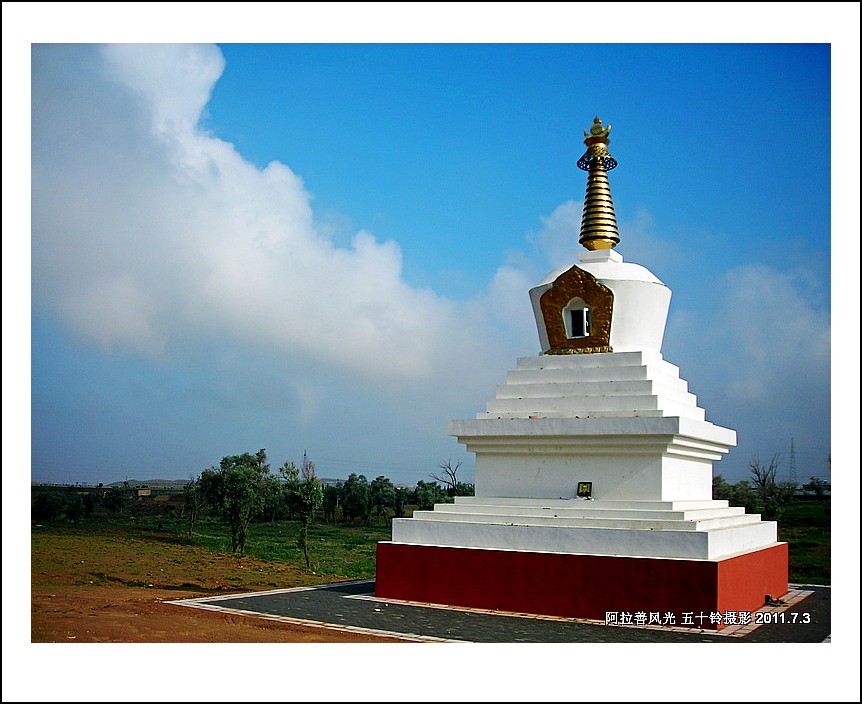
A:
[(349, 550), (341, 549), (806, 526)]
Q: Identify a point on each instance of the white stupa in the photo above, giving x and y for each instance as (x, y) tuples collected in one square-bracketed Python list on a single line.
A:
[(594, 464)]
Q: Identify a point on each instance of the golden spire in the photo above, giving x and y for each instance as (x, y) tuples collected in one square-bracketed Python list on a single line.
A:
[(598, 224)]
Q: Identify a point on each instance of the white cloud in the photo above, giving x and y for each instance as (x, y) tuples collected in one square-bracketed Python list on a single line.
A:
[(558, 238), (152, 236), (640, 244), (761, 335), (148, 230), (508, 300), (767, 324), (757, 354), (175, 81)]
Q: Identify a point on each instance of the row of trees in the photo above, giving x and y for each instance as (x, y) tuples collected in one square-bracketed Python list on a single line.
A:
[(763, 494), (242, 489), (75, 506), (359, 500)]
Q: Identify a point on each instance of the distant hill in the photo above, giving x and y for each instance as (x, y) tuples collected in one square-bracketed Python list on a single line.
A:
[(150, 482)]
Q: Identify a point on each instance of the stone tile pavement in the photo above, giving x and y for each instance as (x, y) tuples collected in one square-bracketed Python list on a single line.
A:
[(803, 616)]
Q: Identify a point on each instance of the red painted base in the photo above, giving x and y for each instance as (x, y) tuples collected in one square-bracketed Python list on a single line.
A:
[(581, 586)]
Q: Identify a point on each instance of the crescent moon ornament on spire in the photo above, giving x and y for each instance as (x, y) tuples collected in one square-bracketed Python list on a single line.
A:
[(599, 223), (598, 131)]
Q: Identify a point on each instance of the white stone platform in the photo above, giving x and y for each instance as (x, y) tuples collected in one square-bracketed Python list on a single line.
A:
[(701, 530), (608, 385), (624, 421)]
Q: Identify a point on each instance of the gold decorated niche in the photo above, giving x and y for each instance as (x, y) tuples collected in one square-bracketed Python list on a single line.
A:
[(577, 312)]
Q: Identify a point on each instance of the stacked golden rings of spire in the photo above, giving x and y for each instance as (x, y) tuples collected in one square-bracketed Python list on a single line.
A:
[(599, 222)]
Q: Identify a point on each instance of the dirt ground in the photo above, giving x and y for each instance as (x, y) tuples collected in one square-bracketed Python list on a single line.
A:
[(105, 587), (138, 615)]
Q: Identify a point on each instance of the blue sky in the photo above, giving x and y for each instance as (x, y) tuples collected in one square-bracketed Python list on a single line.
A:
[(327, 248), (319, 235)]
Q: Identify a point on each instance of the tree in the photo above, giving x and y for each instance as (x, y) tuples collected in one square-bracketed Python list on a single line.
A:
[(763, 474), (740, 494), (290, 478), (448, 477), (818, 486), (194, 501), (274, 506), (771, 495), (382, 494), (114, 499), (399, 500), (90, 501), (331, 496), (720, 488), (47, 506), (743, 494), (428, 494), (237, 489), (74, 508), (356, 501), (465, 489), (309, 497)]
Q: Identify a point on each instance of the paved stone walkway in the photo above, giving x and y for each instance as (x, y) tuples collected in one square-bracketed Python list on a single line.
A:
[(804, 617)]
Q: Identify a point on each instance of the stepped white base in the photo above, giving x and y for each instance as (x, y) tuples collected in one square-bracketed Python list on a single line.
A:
[(583, 559), (698, 530), (652, 539), (623, 421)]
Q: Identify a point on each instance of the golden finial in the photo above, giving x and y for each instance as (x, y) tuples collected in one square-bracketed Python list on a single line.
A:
[(599, 223), (597, 131)]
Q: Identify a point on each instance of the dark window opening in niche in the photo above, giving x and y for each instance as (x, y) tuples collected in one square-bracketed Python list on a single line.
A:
[(581, 322)]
